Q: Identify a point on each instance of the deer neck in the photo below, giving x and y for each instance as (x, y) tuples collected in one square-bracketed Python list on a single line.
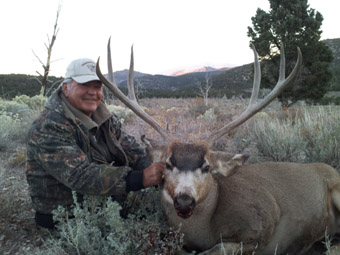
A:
[(198, 231)]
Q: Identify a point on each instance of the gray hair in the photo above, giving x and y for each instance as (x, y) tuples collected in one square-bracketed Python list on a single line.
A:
[(68, 81)]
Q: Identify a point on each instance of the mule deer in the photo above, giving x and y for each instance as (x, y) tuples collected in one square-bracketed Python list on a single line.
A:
[(221, 203)]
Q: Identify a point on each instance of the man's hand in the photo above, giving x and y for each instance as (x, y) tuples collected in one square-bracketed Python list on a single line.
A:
[(153, 175)]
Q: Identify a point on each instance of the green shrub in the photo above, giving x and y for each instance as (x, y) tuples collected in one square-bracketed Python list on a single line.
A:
[(16, 117), (35, 103), (321, 132), (12, 107), (123, 113), (330, 100), (198, 107), (15, 120), (11, 129), (209, 116), (277, 140), (97, 228), (312, 137)]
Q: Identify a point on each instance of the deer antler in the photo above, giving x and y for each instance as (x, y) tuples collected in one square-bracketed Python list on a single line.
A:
[(130, 101), (253, 108)]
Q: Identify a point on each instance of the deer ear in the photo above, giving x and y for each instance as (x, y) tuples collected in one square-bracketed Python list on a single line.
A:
[(155, 150), (225, 163)]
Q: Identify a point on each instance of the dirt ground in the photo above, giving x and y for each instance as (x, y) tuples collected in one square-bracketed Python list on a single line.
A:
[(18, 232)]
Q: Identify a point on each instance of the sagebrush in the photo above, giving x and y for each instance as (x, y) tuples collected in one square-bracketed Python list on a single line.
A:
[(311, 136), (96, 227)]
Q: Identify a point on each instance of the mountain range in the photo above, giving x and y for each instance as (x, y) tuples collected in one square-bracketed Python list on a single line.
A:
[(226, 81), (202, 69), (185, 85)]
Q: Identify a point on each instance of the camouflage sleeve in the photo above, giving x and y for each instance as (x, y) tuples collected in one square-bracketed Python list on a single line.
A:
[(54, 146), (135, 152)]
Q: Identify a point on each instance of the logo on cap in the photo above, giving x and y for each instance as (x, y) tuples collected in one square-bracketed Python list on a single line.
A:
[(90, 65)]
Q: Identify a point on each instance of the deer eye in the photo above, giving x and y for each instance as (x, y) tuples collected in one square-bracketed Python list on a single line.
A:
[(206, 169), (168, 166)]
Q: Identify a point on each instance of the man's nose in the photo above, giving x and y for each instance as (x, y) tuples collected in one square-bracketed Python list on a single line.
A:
[(91, 90)]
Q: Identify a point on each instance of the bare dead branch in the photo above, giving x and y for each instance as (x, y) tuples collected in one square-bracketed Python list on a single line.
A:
[(49, 47)]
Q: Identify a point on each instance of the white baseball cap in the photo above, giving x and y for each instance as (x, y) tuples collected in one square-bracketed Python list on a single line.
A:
[(82, 70)]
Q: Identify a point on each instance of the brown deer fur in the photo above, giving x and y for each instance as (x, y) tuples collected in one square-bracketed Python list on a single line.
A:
[(269, 207)]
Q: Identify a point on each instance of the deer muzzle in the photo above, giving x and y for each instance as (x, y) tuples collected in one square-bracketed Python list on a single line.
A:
[(184, 205)]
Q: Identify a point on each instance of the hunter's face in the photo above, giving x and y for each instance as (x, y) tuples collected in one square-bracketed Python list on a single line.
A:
[(86, 97)]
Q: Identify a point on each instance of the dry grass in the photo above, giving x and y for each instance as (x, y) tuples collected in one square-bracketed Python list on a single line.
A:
[(177, 115)]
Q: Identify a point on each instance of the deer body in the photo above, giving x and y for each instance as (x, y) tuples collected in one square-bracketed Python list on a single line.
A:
[(282, 207), (267, 208)]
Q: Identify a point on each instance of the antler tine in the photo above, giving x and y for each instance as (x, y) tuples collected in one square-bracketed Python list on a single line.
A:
[(284, 82), (132, 104), (130, 84), (282, 73), (257, 77), (109, 63), (253, 108)]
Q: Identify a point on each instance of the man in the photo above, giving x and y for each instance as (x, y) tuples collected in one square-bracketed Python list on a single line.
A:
[(76, 144)]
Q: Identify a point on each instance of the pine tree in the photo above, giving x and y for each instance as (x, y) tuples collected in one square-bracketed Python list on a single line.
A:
[(295, 24)]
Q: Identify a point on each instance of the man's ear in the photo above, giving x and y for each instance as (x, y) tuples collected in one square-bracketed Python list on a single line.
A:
[(65, 89)]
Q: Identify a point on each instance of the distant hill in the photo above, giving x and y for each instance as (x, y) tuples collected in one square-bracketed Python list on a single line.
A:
[(200, 70), (334, 45), (121, 76), (230, 82), (171, 86), (12, 85), (235, 81)]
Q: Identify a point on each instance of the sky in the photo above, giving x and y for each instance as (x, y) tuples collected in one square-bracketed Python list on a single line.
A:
[(167, 35)]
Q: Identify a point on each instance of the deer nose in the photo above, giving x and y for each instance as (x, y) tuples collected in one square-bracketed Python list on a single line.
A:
[(184, 205)]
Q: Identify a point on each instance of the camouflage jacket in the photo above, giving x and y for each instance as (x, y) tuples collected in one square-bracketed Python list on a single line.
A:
[(62, 156)]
